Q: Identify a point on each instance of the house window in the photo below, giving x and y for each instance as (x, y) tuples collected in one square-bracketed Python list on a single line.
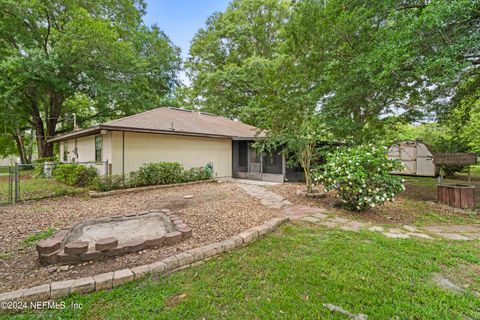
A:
[(65, 151), (98, 148)]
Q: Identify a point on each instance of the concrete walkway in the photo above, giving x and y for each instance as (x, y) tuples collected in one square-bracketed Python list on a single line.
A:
[(320, 216)]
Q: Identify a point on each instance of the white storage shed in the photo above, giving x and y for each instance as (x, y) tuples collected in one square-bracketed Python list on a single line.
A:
[(416, 156)]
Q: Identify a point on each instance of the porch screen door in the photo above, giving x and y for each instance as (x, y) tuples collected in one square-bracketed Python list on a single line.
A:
[(255, 164)]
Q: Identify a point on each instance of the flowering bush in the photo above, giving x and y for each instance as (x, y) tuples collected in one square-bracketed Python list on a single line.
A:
[(361, 176)]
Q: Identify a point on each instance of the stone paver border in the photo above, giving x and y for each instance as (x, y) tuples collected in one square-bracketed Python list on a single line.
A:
[(96, 194), (60, 289), (457, 232), (267, 198), (57, 249)]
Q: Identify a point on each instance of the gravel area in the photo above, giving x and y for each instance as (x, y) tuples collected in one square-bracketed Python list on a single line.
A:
[(216, 211)]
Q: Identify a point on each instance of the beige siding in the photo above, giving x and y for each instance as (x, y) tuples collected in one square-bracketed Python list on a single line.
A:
[(117, 152), (86, 149), (141, 148)]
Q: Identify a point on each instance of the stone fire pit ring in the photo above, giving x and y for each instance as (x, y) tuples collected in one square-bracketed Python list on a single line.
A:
[(96, 239)]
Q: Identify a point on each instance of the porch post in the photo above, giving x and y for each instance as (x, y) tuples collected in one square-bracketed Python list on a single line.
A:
[(261, 166), (248, 159)]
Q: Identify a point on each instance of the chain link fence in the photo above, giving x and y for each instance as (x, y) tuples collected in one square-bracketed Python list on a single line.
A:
[(23, 182), (6, 184)]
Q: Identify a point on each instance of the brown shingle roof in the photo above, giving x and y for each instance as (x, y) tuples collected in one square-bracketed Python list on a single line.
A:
[(174, 121)]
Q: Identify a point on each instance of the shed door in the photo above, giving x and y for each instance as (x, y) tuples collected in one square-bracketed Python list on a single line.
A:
[(425, 167)]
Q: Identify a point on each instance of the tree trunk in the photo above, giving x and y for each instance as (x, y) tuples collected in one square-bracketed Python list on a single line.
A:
[(306, 164), (39, 129), (47, 130), (29, 151), (17, 136)]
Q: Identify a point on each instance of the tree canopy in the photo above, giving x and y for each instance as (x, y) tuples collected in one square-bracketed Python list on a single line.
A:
[(96, 58), (364, 67)]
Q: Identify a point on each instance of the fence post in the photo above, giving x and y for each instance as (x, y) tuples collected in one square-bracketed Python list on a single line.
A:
[(10, 184), (17, 182)]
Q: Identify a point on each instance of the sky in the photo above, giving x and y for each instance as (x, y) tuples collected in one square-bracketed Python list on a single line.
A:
[(181, 19)]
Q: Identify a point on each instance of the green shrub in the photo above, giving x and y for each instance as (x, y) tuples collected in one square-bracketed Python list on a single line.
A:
[(361, 176), (153, 174), (159, 173), (75, 174), (108, 183), (196, 174)]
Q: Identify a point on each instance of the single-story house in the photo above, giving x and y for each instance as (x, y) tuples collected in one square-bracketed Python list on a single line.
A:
[(189, 137)]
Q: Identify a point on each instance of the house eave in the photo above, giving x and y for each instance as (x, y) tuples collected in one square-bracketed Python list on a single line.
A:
[(100, 128)]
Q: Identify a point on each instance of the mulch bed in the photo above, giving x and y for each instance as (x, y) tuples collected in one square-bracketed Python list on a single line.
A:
[(216, 212)]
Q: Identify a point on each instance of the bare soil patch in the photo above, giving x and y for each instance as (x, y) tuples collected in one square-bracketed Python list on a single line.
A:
[(216, 211)]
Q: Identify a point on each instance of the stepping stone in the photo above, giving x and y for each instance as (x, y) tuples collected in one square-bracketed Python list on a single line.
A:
[(419, 235), (474, 235), (444, 283), (453, 236), (464, 228), (334, 308), (410, 228), (349, 228), (339, 219), (395, 230), (353, 226), (396, 235), (376, 228), (310, 219), (319, 215), (435, 229), (328, 223)]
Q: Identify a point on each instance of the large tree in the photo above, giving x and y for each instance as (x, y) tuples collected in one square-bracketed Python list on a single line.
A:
[(228, 59), (371, 60), (53, 51), (364, 65)]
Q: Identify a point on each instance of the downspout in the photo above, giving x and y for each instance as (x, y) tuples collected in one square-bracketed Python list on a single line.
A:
[(123, 155), (75, 151), (248, 160)]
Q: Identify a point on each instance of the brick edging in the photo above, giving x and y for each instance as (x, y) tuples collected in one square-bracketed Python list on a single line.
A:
[(95, 194), (105, 281), (56, 250)]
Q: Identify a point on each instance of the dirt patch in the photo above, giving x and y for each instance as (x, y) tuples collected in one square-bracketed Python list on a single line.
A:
[(216, 211), (466, 275), (414, 206)]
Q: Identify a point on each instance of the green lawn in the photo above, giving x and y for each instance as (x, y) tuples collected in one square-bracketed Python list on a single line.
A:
[(290, 274), (32, 188)]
